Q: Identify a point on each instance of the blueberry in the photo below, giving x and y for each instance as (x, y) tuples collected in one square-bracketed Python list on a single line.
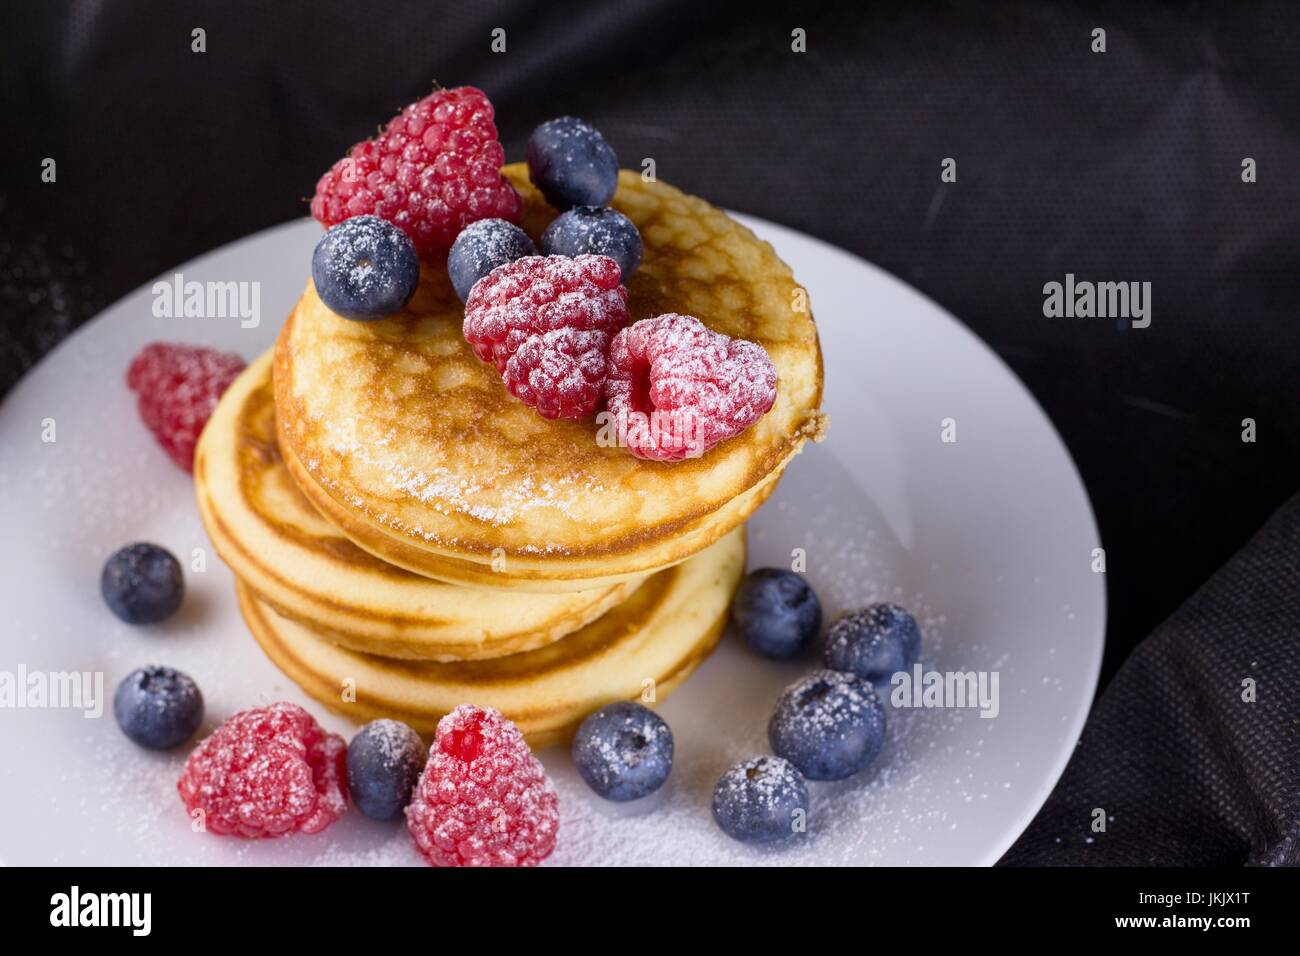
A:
[(158, 707), (761, 800), (829, 725), (874, 643), (776, 612), (597, 231), (142, 583), (481, 247), (365, 268), (624, 751), (384, 763), (572, 165)]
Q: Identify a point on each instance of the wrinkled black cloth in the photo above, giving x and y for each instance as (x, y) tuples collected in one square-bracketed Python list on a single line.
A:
[(1115, 166), (1191, 753)]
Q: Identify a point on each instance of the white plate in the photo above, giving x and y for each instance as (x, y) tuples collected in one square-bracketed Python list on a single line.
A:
[(988, 539)]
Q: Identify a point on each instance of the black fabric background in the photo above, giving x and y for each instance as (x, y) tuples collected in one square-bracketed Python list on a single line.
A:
[(1191, 752), (1118, 166)]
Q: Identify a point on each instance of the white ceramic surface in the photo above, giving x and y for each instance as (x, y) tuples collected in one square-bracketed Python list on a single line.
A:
[(988, 539)]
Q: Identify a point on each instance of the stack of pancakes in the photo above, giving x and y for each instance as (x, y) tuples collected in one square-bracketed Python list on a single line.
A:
[(408, 537)]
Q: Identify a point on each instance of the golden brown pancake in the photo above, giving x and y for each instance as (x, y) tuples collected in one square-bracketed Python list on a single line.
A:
[(655, 639), (300, 564), (415, 449)]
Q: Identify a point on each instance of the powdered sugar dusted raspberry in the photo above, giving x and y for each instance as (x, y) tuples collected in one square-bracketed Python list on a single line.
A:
[(677, 389), (484, 799), (565, 310), (267, 772), (433, 170), (561, 373), (177, 387)]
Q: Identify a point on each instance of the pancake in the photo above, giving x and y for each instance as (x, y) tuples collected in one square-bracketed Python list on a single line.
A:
[(472, 575), (300, 564), (661, 633), (415, 449)]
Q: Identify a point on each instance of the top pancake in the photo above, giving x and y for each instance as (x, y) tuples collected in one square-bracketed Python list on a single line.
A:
[(425, 458)]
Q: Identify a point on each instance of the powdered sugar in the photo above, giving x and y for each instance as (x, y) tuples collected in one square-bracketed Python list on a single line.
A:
[(392, 738), (449, 492)]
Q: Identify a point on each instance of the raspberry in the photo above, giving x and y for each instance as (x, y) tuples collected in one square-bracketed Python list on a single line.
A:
[(677, 388), (267, 772), (545, 322), (434, 169), (178, 387), (561, 373), (484, 799)]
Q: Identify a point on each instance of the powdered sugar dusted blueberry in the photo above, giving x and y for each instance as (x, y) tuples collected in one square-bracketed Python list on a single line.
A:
[(874, 643), (481, 247), (762, 800), (623, 751), (677, 388), (484, 799), (384, 762), (572, 165), (158, 707), (142, 583), (776, 612), (595, 230), (266, 772), (365, 268), (830, 725), (565, 310)]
